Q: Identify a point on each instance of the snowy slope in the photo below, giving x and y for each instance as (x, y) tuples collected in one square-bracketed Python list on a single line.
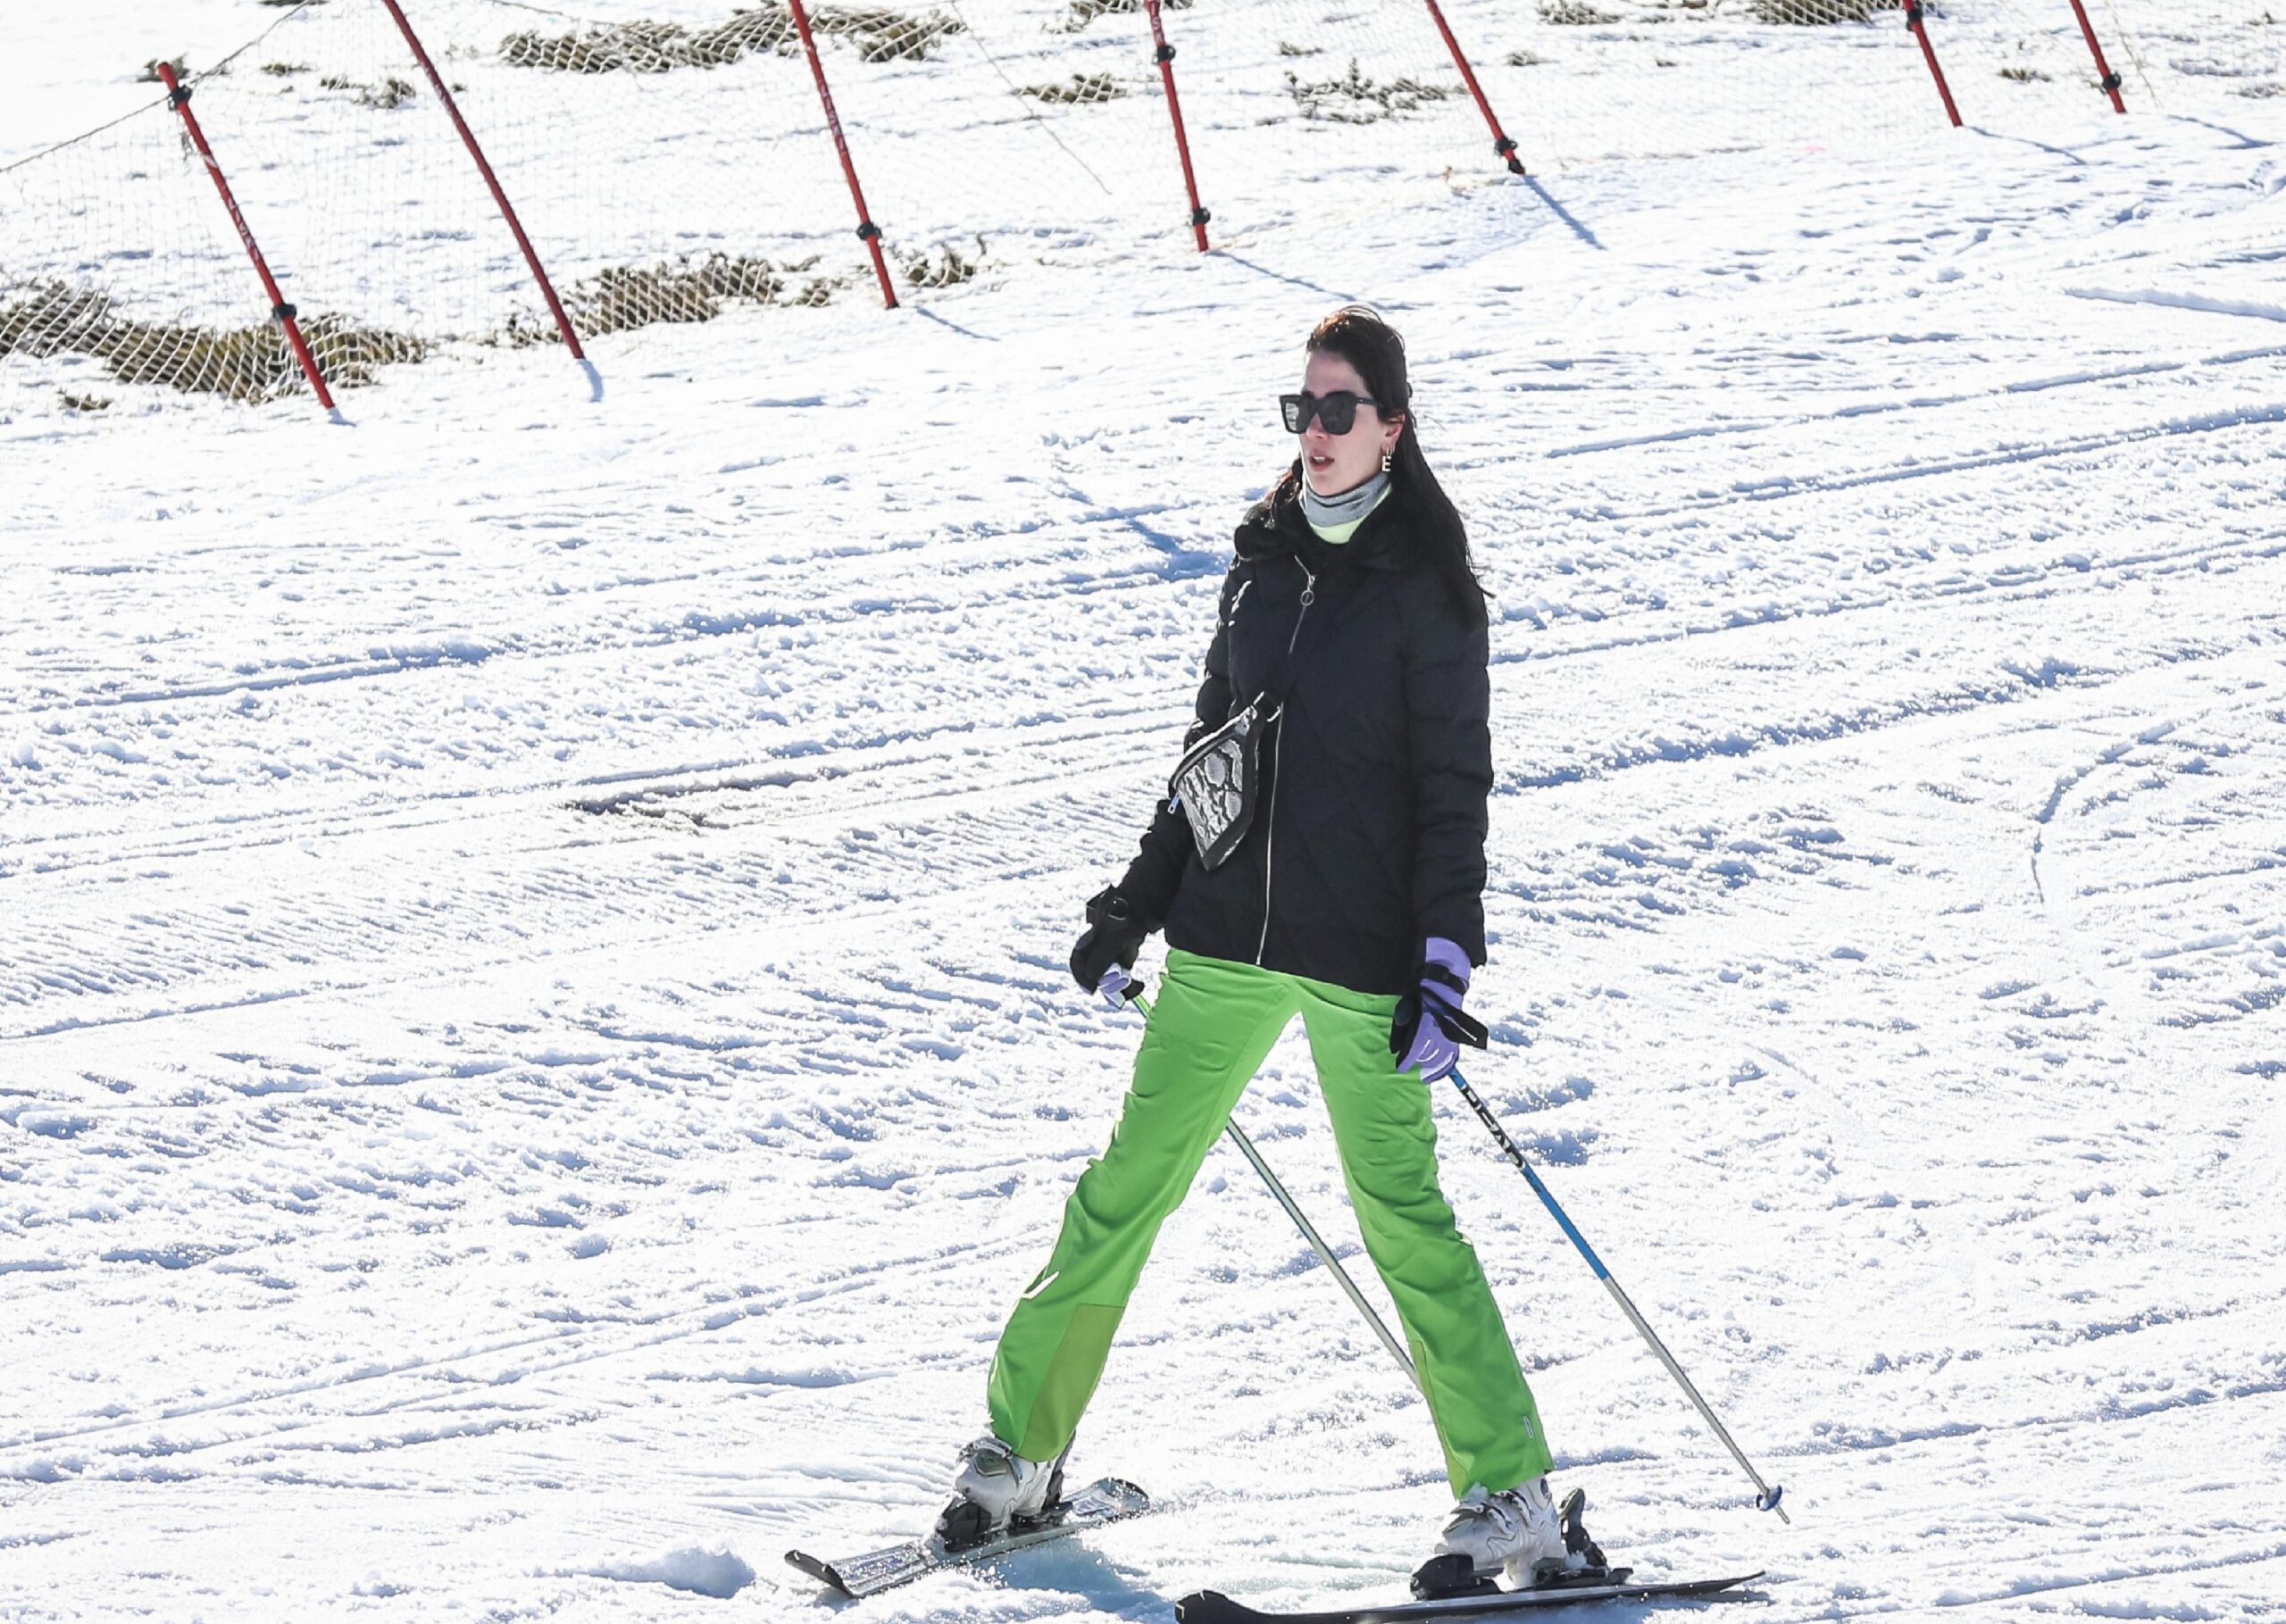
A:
[(534, 1052)]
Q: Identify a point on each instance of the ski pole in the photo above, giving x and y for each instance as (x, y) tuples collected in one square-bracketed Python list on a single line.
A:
[(1236, 1136), (1767, 1500)]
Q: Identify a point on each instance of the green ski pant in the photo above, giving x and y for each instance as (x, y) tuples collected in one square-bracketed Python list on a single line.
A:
[(1213, 1023)]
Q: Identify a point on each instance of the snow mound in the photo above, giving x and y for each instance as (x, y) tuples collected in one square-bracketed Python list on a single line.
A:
[(715, 1573)]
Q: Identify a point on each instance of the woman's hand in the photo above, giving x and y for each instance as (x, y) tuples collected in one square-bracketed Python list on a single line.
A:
[(1429, 1026), (1105, 951)]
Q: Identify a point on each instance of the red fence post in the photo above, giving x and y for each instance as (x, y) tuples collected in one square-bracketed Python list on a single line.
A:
[(1500, 142), (1913, 20), (280, 312), (2109, 80), (1163, 54), (867, 228), (507, 213)]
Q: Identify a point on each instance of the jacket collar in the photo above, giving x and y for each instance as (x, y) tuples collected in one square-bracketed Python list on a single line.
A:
[(1275, 525)]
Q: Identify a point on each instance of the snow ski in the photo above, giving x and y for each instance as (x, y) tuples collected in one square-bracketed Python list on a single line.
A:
[(1213, 1607), (1106, 1500)]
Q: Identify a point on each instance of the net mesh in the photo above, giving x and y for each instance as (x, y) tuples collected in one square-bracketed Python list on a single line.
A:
[(649, 196), (671, 165), (1312, 110), (1612, 78), (120, 276), (2201, 57)]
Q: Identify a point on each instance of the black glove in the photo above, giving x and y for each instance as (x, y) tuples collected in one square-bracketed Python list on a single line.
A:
[(1115, 936)]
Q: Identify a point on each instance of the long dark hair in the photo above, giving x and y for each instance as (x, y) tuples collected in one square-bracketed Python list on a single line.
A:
[(1361, 337)]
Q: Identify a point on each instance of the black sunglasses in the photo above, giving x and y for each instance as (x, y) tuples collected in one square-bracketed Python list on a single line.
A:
[(1338, 411)]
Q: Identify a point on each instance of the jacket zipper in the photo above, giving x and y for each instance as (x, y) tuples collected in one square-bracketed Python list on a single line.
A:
[(1270, 834)]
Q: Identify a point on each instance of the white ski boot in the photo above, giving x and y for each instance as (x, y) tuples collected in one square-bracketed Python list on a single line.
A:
[(1514, 1531), (996, 1489)]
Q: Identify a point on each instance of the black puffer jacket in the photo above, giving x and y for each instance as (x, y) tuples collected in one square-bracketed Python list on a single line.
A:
[(1369, 838)]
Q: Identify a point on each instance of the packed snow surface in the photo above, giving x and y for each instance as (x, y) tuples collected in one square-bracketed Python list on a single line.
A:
[(535, 1051)]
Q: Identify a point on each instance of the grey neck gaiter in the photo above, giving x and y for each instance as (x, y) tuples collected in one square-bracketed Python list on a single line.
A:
[(1330, 512)]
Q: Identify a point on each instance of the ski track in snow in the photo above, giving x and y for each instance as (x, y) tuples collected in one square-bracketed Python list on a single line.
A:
[(534, 1045)]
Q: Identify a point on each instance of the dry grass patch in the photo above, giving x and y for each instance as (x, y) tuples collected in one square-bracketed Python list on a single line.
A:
[(1085, 12), (252, 364), (245, 363), (1819, 14), (1084, 89), (391, 92), (351, 355), (881, 35), (1356, 99), (878, 33), (628, 296), (950, 272)]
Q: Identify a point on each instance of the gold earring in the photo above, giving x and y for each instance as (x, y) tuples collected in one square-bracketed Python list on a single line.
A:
[(1385, 462)]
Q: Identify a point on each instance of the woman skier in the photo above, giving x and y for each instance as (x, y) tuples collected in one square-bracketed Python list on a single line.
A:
[(1335, 872)]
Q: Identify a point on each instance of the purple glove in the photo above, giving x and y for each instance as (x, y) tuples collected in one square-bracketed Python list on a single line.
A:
[(1114, 986), (1428, 1047)]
